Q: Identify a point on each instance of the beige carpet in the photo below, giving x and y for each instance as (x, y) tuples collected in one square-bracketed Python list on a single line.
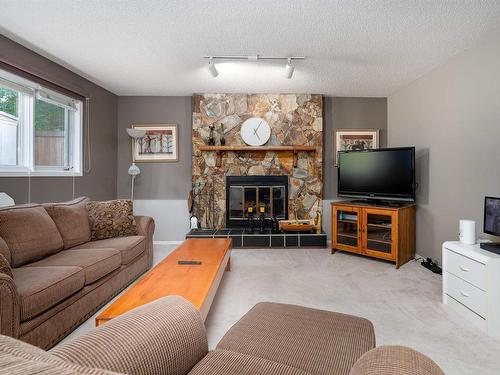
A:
[(404, 305)]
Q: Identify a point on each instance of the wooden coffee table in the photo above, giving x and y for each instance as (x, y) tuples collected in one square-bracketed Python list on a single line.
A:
[(196, 283)]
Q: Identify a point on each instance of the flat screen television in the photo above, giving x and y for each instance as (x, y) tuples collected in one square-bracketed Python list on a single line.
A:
[(385, 174)]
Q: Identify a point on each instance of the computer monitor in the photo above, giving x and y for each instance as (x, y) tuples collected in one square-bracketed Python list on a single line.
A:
[(492, 216), (491, 223)]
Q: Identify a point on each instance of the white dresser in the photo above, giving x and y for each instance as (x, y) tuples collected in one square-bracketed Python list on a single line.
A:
[(471, 284)]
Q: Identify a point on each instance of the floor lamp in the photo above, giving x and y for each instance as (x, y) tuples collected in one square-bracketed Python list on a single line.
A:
[(134, 170)]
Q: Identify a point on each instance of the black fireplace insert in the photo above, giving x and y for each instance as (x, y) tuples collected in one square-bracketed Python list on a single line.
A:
[(267, 193)]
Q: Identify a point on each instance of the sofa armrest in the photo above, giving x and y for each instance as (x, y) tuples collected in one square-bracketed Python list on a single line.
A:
[(9, 307), (166, 336), (395, 360), (146, 227)]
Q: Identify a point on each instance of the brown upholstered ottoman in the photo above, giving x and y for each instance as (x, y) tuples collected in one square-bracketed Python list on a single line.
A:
[(315, 341)]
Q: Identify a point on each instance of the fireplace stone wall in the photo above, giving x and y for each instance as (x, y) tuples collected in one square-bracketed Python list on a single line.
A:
[(295, 119)]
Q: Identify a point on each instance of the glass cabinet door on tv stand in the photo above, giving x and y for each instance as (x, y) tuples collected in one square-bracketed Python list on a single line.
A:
[(347, 228), (379, 234)]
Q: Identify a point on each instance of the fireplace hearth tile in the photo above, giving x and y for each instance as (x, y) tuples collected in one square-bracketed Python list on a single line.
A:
[(237, 241), (256, 240), (291, 240), (278, 240), (244, 238)]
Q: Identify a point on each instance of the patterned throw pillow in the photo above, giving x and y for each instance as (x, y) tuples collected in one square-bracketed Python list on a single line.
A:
[(5, 266), (111, 219)]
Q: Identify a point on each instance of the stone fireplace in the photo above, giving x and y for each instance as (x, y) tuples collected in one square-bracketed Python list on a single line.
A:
[(295, 120), (244, 192)]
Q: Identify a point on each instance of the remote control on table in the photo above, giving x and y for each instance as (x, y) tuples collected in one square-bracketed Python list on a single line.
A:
[(187, 262)]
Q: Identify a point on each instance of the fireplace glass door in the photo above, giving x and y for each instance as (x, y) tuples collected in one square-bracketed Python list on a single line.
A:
[(271, 198), (256, 192)]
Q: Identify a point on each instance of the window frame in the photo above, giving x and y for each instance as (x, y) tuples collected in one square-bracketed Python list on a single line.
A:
[(26, 133)]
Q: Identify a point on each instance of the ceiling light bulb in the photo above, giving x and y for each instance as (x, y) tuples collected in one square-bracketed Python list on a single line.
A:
[(289, 68), (212, 69)]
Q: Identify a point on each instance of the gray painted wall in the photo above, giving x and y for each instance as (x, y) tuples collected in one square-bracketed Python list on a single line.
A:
[(173, 180), (169, 181), (100, 183), (342, 112), (162, 188), (452, 116)]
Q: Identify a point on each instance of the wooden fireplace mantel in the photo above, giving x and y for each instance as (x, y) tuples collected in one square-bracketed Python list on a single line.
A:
[(219, 150)]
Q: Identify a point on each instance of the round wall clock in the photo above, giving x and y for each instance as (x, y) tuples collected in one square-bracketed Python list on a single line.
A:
[(255, 131)]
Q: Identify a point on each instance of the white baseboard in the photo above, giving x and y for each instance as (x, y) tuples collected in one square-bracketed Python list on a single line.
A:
[(167, 242)]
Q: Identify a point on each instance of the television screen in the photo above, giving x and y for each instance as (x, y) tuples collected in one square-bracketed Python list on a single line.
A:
[(377, 174), (492, 216)]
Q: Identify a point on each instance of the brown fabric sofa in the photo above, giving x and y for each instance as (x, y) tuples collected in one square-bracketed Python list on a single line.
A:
[(60, 277), (168, 337)]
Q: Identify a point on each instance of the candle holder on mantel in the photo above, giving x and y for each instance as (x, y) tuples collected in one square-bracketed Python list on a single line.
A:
[(262, 220), (250, 219), (275, 224)]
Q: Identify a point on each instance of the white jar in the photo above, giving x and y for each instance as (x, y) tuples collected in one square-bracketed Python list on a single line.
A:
[(467, 232)]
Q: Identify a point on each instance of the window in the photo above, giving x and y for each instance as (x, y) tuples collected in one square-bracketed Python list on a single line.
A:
[(40, 130)]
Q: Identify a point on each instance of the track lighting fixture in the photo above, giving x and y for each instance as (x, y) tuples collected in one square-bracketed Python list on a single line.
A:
[(289, 67), (211, 68)]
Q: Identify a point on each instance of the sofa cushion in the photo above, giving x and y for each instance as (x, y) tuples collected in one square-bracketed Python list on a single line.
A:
[(72, 220), (129, 247), (17, 357), (316, 341), (29, 232), (4, 250), (40, 288), (111, 219), (96, 263), (223, 362), (5, 266)]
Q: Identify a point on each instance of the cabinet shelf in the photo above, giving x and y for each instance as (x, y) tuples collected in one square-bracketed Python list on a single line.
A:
[(379, 240), (384, 226), (347, 235), (219, 150), (348, 221)]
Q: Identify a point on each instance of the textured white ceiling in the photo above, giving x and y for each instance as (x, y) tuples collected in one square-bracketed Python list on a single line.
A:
[(353, 48)]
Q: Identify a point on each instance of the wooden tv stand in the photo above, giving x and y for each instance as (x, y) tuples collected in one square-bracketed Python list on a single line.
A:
[(376, 231)]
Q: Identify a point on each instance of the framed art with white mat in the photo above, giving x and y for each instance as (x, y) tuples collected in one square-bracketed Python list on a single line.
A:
[(160, 144)]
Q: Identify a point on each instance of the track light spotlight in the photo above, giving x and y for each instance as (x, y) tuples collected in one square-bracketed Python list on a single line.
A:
[(289, 68), (212, 69)]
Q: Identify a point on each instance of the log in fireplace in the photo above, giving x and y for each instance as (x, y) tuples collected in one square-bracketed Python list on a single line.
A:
[(242, 192)]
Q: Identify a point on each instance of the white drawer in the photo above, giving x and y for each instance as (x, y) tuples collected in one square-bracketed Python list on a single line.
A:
[(465, 268), (467, 294)]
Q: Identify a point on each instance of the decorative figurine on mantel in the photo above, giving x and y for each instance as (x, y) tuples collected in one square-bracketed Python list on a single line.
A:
[(211, 137), (222, 139)]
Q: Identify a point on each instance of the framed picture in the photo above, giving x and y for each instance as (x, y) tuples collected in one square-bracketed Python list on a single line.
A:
[(160, 144), (354, 139)]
